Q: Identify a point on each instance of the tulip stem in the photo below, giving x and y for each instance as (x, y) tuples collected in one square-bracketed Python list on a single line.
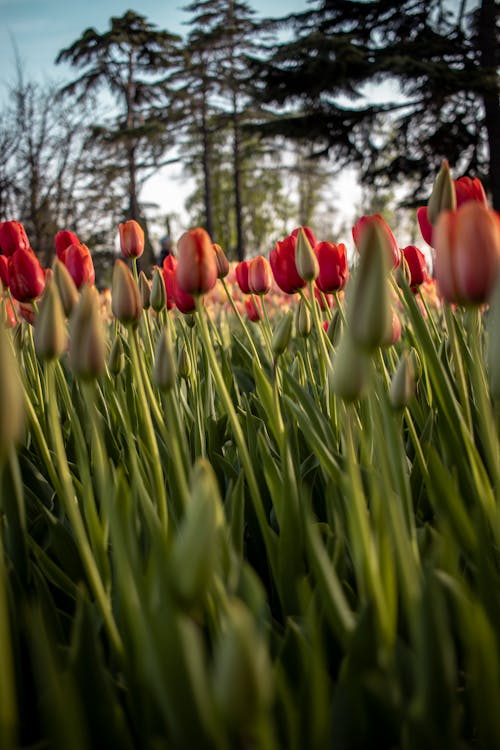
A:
[(242, 322)]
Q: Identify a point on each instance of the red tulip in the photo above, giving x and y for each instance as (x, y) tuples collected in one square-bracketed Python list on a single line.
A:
[(467, 244), (282, 260), (131, 239), (184, 302), (196, 265), (417, 264), (392, 245), (63, 240), (466, 190), (260, 276), (169, 269), (253, 309), (27, 279), (241, 272), (333, 271), (4, 271), (78, 261), (222, 261), (12, 237)]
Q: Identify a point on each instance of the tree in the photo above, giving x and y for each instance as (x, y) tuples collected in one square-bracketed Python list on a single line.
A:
[(134, 63), (444, 56)]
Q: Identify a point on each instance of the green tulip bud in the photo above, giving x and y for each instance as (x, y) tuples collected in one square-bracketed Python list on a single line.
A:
[(402, 388), (158, 291), (51, 337), (11, 395), (116, 361), (281, 335), (164, 368), (145, 290), (183, 363), (303, 319), (350, 370), (443, 196), (335, 327), (126, 302), (87, 346), (66, 287), (305, 258)]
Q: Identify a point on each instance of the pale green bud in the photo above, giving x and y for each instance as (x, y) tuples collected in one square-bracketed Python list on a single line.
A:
[(335, 327), (87, 346), (183, 363), (158, 291), (164, 368), (116, 361), (126, 302), (243, 677), (303, 319), (11, 395), (350, 370), (305, 258), (282, 333), (145, 290), (65, 286), (51, 337), (403, 383), (443, 196)]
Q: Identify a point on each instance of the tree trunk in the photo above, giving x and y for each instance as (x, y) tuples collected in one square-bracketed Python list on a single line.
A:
[(207, 182), (488, 39), (240, 240)]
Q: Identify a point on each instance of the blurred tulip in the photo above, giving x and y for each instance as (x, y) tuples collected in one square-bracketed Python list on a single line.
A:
[(466, 190), (27, 279), (126, 302), (253, 309), (333, 270), (360, 228), (145, 289), (158, 296), (308, 233), (11, 396), (63, 240), (260, 276), (196, 264), (12, 237), (417, 265), (51, 337), (443, 197), (222, 261), (241, 272), (184, 302), (403, 383), (305, 259), (8, 315), (131, 239), (4, 271), (169, 269), (394, 330), (87, 344), (66, 287), (78, 261), (467, 244), (282, 260)]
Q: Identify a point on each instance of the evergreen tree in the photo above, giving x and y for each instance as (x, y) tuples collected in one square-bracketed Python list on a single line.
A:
[(443, 56), (133, 62)]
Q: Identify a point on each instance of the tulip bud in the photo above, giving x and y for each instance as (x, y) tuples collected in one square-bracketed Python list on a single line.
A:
[(335, 326), (12, 237), (196, 266), (260, 276), (183, 363), (241, 273), (443, 197), (87, 346), (78, 261), (158, 297), (281, 335), (131, 239), (145, 290), (370, 316), (305, 258), (243, 677), (66, 287), (125, 295), (116, 361), (164, 368), (349, 373), (303, 320), (222, 261), (403, 382), (50, 327), (11, 398), (27, 279), (194, 550), (63, 240), (403, 273)]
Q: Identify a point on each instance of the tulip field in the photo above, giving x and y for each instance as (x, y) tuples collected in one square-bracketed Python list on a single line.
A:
[(254, 505)]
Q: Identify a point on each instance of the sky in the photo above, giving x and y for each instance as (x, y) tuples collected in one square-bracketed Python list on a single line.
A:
[(36, 30)]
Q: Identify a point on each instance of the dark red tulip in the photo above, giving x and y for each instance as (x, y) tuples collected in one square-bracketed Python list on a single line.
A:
[(282, 260), (417, 265), (64, 239), (466, 190), (333, 270), (253, 309), (12, 237), (241, 273), (169, 269), (27, 278), (78, 261)]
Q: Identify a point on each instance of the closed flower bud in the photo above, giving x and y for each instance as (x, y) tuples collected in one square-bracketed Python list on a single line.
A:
[(366, 225), (369, 311), (145, 290), (66, 287), (164, 368), (158, 297), (196, 265), (195, 548), (303, 319), (183, 363), (403, 383), (87, 346), (260, 276), (335, 327), (116, 361), (350, 370), (281, 335), (305, 258), (443, 197), (11, 395), (243, 677), (126, 302), (253, 309), (222, 261), (241, 273), (78, 261), (27, 279), (63, 240), (131, 239), (333, 269), (415, 260), (50, 326), (12, 237)]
